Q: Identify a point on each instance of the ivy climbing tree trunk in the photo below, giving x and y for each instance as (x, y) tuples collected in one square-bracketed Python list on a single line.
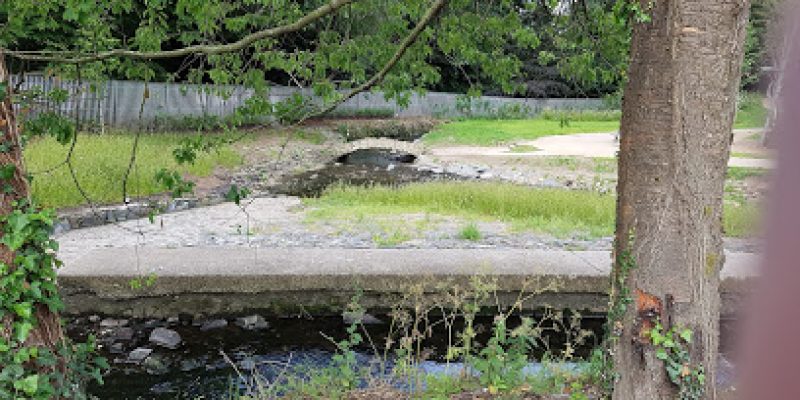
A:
[(15, 194), (10, 157), (678, 112)]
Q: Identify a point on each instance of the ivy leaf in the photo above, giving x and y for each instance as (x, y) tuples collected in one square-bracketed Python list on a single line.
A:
[(661, 354), (29, 385), (23, 310), (686, 335), (15, 237), (7, 171), (22, 330)]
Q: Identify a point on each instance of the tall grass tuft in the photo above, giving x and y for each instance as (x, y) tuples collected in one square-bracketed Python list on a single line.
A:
[(558, 212), (101, 161), (552, 211)]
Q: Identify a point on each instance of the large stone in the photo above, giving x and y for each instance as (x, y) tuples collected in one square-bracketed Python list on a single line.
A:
[(113, 323), (116, 348), (252, 323), (156, 365), (123, 333), (213, 324), (139, 354), (165, 338)]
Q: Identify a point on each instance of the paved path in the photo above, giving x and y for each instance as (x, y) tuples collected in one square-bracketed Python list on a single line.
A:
[(582, 145)]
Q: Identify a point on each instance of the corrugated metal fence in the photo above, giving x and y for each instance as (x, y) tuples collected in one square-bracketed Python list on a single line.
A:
[(119, 103)]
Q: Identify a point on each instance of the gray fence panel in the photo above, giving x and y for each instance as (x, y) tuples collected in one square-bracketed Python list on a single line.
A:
[(119, 103)]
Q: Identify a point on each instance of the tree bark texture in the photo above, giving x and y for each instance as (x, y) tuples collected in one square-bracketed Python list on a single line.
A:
[(676, 132), (48, 330)]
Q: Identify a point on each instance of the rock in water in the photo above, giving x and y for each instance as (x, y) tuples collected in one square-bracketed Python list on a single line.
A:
[(125, 334), (366, 319), (113, 323), (156, 365), (252, 323), (213, 324), (165, 338), (139, 354)]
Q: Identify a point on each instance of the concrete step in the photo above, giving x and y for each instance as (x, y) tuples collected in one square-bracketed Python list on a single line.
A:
[(218, 280)]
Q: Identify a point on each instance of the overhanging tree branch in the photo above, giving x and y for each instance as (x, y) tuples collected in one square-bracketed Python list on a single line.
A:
[(404, 46), (65, 58), (374, 80)]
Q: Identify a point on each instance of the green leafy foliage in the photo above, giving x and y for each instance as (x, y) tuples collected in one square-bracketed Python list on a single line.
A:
[(29, 371), (620, 298), (757, 46), (346, 371), (339, 51), (673, 348), (470, 232), (52, 124), (236, 194), (174, 182), (501, 361)]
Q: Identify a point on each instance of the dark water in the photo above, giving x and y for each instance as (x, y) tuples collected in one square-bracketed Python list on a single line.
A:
[(363, 167), (376, 157), (199, 368)]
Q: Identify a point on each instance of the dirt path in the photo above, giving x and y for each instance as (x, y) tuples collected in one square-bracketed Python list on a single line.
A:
[(747, 151)]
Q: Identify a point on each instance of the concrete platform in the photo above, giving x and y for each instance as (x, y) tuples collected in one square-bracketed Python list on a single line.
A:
[(218, 280)]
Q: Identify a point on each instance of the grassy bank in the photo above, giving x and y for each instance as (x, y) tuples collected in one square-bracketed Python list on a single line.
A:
[(489, 132), (482, 132), (557, 212), (101, 161)]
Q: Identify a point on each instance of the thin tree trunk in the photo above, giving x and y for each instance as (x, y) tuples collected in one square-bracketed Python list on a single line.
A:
[(48, 330), (678, 112)]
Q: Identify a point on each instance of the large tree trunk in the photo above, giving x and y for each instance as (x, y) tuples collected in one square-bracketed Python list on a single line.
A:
[(47, 331), (678, 112)]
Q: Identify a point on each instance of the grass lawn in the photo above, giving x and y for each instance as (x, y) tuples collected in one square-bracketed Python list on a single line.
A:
[(558, 212), (489, 132), (749, 155), (101, 161), (485, 132), (752, 113), (742, 173)]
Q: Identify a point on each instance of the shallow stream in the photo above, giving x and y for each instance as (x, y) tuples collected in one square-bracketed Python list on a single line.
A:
[(213, 364)]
